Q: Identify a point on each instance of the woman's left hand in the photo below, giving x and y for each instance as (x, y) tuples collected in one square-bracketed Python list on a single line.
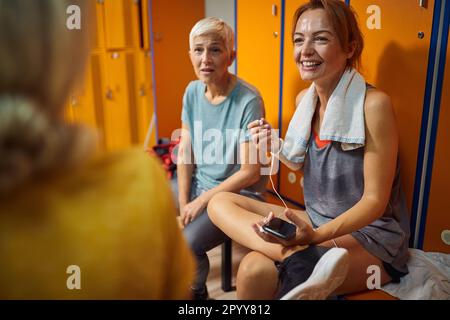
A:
[(304, 232), (193, 209)]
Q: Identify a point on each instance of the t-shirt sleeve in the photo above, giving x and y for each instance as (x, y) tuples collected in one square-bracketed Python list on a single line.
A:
[(254, 110), (187, 104)]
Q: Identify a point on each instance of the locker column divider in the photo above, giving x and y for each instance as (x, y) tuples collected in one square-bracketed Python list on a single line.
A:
[(152, 52), (436, 64)]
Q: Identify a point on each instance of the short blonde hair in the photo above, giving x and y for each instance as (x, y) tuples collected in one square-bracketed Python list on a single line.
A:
[(40, 60), (213, 25)]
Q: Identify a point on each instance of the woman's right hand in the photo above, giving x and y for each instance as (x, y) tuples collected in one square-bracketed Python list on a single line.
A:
[(263, 137), (305, 233)]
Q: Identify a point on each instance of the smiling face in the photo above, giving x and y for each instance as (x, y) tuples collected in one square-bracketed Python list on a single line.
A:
[(210, 58), (317, 50)]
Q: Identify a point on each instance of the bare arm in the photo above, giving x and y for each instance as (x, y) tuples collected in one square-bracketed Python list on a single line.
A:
[(247, 175), (262, 137), (380, 157), (185, 167)]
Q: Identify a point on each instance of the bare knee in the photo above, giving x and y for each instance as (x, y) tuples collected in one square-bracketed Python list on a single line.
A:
[(257, 277), (216, 203)]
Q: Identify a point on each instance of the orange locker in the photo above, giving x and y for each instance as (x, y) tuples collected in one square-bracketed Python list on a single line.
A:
[(258, 51), (122, 23), (144, 92), (67, 112), (395, 60), (292, 84), (85, 102), (97, 30), (145, 24), (97, 98), (119, 99), (173, 70), (81, 101), (437, 227)]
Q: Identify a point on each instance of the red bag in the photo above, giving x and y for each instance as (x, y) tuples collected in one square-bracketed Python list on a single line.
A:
[(165, 150)]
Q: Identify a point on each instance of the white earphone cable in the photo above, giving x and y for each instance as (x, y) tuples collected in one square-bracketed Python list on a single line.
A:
[(272, 160)]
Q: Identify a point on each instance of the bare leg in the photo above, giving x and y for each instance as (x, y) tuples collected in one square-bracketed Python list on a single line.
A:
[(235, 215), (257, 278), (360, 260)]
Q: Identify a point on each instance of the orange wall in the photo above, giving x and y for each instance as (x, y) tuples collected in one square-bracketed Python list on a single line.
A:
[(172, 23)]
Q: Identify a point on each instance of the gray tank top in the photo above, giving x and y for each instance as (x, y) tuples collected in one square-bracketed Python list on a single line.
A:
[(334, 182)]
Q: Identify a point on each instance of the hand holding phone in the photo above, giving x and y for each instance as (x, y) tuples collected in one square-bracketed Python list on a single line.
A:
[(280, 228)]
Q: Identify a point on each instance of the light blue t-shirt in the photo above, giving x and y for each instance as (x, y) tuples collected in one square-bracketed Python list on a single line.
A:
[(217, 130)]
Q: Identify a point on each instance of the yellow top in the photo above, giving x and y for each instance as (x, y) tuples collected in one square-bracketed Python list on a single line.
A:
[(113, 218)]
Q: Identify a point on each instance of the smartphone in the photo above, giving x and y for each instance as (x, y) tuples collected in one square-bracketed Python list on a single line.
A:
[(280, 228)]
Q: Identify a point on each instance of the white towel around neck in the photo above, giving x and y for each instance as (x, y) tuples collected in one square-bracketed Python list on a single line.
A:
[(343, 120)]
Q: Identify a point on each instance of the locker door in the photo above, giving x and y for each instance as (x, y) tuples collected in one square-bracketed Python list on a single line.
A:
[(145, 24), (258, 51), (116, 111), (67, 112), (292, 84), (144, 92), (131, 68), (81, 101), (172, 23), (97, 30), (122, 23), (437, 229), (97, 101), (395, 60)]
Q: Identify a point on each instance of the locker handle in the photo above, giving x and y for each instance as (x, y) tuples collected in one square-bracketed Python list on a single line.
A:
[(109, 94), (74, 101), (422, 3), (274, 10), (142, 91)]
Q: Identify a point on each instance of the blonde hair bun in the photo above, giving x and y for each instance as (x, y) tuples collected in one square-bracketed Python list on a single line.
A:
[(25, 145), (30, 143)]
